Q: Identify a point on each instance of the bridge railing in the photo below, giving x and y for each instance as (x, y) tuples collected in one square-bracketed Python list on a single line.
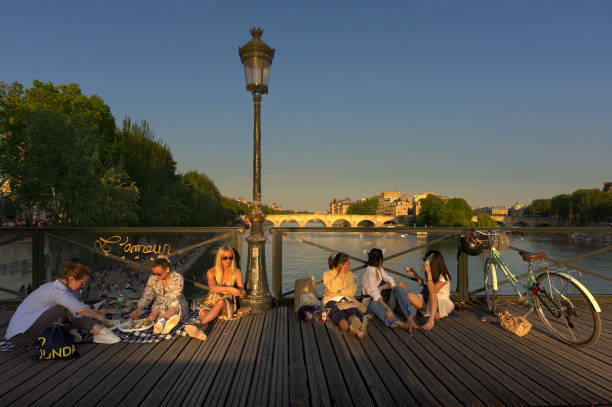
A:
[(36, 255), (442, 236)]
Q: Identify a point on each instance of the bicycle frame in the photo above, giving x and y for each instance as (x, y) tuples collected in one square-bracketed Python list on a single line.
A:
[(522, 289)]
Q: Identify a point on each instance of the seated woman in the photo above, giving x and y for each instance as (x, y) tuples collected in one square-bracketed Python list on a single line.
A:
[(225, 283), (339, 296), (375, 281), (165, 290), (434, 301), (58, 302)]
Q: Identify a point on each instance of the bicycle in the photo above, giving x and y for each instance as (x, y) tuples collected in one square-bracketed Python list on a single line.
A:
[(563, 303)]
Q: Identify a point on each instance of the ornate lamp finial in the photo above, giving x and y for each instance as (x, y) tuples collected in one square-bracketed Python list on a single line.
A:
[(256, 32)]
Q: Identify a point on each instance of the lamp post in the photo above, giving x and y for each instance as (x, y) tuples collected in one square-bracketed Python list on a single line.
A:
[(256, 57)]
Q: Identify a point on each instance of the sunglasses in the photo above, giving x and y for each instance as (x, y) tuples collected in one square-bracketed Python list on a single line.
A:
[(227, 258)]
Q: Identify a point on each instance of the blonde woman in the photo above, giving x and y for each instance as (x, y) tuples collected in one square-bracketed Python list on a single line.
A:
[(225, 283)]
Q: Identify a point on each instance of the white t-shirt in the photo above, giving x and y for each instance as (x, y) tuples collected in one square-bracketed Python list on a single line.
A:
[(40, 300)]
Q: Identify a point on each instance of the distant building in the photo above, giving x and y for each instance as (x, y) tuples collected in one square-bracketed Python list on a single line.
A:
[(339, 207), (493, 210), (517, 209), (607, 187)]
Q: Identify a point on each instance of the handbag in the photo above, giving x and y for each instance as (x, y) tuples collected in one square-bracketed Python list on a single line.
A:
[(517, 325), (56, 342)]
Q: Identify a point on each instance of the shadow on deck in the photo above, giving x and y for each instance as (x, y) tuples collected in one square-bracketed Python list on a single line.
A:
[(275, 359)]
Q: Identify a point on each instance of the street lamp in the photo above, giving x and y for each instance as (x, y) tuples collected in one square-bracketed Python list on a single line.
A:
[(256, 57)]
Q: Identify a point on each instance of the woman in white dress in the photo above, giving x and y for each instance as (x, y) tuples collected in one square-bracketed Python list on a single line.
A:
[(434, 301)]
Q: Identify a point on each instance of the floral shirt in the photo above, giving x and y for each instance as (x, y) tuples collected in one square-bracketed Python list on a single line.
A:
[(164, 297)]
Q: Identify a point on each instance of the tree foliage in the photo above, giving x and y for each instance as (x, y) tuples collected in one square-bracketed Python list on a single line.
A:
[(485, 221), (434, 211), (367, 207), (56, 153), (539, 207), (584, 205), (64, 156)]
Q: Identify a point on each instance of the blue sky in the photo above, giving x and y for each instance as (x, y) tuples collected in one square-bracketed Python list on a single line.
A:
[(496, 102)]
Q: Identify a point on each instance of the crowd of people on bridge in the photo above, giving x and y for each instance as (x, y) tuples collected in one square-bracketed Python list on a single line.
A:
[(382, 297)]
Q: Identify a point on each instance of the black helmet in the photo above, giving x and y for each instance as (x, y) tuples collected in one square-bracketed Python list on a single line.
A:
[(471, 245)]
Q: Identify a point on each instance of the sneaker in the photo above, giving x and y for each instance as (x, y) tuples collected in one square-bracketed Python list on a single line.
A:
[(106, 336), (363, 330), (354, 325), (195, 332), (159, 326), (171, 323)]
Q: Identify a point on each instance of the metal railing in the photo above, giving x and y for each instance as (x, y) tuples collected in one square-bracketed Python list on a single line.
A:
[(40, 235), (461, 292)]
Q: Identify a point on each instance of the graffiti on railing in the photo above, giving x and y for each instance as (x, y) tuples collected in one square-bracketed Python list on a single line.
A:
[(107, 244)]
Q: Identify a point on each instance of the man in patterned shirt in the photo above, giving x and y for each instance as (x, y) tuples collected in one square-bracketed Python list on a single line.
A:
[(165, 290)]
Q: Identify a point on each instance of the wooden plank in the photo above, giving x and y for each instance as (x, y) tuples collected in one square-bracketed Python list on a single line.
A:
[(218, 332), (133, 395), (133, 374), (171, 377), (6, 357), (407, 353), (539, 359), (215, 364), (437, 366), (297, 374), (375, 385), (218, 389), (403, 370), (99, 383), (486, 368), (241, 383), (49, 391), (319, 395), (259, 393), (585, 365), (357, 389), (279, 388), (41, 372), (514, 362)]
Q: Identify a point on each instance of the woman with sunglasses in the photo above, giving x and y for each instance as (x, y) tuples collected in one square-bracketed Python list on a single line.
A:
[(225, 284), (434, 301)]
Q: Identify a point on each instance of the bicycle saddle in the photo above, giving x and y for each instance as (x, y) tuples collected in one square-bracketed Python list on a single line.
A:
[(528, 256)]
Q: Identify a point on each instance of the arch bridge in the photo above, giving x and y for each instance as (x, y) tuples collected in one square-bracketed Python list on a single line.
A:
[(330, 220)]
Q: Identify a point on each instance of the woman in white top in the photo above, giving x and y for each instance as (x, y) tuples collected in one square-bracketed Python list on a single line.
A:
[(434, 301), (377, 282)]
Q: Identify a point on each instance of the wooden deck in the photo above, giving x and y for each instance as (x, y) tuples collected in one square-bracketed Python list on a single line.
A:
[(275, 359)]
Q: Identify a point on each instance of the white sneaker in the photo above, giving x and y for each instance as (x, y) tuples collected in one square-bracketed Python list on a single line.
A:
[(106, 336), (159, 326)]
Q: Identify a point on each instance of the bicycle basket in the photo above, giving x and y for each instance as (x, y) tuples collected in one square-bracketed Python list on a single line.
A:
[(500, 242)]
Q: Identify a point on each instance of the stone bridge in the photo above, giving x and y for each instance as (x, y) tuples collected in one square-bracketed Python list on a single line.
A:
[(330, 220), (524, 221)]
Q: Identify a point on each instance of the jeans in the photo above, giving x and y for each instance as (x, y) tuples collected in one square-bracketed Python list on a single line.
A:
[(57, 313), (399, 296)]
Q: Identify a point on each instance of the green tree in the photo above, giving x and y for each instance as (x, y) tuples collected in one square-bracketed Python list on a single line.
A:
[(433, 212), (485, 221), (459, 213), (560, 205), (591, 205), (51, 155), (539, 207), (206, 208), (367, 207)]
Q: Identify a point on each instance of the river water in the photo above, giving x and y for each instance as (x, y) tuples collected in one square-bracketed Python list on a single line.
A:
[(302, 260)]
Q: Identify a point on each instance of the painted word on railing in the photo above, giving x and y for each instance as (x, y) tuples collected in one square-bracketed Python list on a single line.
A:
[(106, 245)]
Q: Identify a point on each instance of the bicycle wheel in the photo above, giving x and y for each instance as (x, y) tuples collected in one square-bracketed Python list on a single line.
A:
[(567, 309), (490, 285)]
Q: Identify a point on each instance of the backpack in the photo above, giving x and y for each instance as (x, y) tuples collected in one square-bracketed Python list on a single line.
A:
[(56, 342)]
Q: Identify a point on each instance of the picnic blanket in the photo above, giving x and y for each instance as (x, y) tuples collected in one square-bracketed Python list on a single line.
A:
[(132, 337)]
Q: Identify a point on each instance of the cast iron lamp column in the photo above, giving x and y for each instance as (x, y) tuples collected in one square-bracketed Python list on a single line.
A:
[(256, 57)]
